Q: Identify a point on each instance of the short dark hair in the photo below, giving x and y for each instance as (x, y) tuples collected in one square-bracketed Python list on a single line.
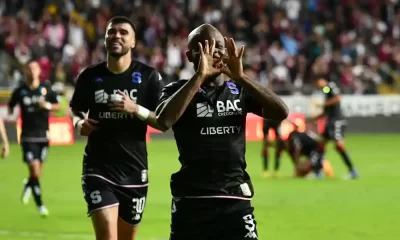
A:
[(121, 19)]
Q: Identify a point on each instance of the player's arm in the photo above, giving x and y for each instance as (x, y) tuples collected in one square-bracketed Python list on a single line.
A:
[(51, 102), (175, 98), (79, 104), (263, 101), (13, 101), (147, 113), (294, 149)]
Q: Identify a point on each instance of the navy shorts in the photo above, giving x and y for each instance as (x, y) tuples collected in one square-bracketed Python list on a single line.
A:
[(100, 194), (34, 151), (334, 130), (212, 219)]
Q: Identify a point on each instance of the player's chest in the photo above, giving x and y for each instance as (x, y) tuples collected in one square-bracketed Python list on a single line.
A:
[(225, 109), (29, 99), (132, 85)]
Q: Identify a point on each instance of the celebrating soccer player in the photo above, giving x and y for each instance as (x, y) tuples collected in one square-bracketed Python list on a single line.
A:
[(36, 100), (335, 123), (212, 190), (275, 126), (119, 95)]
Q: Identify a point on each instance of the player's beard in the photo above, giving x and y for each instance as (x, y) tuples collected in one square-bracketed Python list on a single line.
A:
[(118, 54)]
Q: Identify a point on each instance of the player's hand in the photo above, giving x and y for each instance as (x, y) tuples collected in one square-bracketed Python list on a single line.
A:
[(233, 64), (87, 127), (125, 105), (5, 151), (208, 65), (42, 103)]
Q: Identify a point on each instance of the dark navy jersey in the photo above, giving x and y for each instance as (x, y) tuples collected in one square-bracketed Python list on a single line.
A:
[(275, 125), (333, 112), (117, 150), (306, 142), (211, 140), (35, 120)]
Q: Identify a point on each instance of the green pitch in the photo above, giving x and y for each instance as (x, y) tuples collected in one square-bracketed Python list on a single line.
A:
[(286, 209)]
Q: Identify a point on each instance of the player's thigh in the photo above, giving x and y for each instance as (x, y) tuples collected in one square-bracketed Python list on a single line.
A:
[(132, 202), (238, 223), (105, 223), (102, 207)]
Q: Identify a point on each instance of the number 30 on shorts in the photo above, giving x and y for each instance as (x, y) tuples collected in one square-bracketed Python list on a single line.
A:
[(138, 204), (250, 227)]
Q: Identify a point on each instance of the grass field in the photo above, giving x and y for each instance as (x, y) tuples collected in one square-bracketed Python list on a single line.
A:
[(286, 208)]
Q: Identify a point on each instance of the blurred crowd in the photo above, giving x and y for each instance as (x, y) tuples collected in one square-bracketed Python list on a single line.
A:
[(288, 42)]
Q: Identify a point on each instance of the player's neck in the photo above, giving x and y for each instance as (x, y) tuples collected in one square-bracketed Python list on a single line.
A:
[(34, 84), (118, 65), (214, 82)]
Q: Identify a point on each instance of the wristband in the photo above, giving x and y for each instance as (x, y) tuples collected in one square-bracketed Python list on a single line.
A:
[(143, 113), (77, 120), (48, 106)]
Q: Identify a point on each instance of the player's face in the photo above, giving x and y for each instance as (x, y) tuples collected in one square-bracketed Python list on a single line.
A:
[(33, 70), (120, 39), (320, 83), (193, 54)]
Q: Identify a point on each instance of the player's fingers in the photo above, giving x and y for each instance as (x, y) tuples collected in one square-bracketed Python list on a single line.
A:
[(212, 47), (201, 49), (92, 121), (206, 47), (233, 46), (241, 52), (121, 93)]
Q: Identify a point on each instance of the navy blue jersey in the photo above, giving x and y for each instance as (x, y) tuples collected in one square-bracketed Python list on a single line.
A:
[(333, 112), (35, 120), (305, 142), (211, 140), (117, 150)]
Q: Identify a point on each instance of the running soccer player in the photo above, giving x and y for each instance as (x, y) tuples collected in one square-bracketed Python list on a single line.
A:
[(4, 139), (279, 146), (335, 123), (212, 190), (35, 100), (119, 95)]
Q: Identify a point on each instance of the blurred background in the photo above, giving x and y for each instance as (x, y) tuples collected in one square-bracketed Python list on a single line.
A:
[(354, 43)]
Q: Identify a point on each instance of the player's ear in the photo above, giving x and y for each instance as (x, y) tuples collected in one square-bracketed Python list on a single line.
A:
[(133, 45), (189, 56)]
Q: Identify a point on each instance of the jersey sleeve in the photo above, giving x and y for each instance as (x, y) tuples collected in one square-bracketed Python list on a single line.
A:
[(168, 91), (252, 105), (334, 90), (52, 96), (156, 85), (14, 98), (80, 98)]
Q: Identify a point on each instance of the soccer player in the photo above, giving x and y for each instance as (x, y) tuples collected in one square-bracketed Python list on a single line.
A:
[(119, 95), (279, 146), (36, 100), (4, 139), (335, 123), (212, 190)]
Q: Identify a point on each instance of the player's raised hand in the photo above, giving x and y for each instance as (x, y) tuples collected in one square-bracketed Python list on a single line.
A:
[(5, 151), (87, 127), (208, 65), (124, 104), (234, 65)]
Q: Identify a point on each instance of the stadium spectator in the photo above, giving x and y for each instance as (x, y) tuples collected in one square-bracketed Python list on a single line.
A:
[(288, 41)]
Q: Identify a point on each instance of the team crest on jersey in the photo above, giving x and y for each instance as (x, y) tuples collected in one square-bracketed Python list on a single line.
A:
[(136, 77), (43, 91), (233, 88)]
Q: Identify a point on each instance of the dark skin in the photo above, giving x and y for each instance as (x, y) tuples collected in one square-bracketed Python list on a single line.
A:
[(211, 61)]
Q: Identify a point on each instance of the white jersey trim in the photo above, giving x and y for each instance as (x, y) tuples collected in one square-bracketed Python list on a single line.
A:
[(217, 196)]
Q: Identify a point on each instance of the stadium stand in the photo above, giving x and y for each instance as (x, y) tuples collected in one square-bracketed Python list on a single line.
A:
[(352, 41)]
